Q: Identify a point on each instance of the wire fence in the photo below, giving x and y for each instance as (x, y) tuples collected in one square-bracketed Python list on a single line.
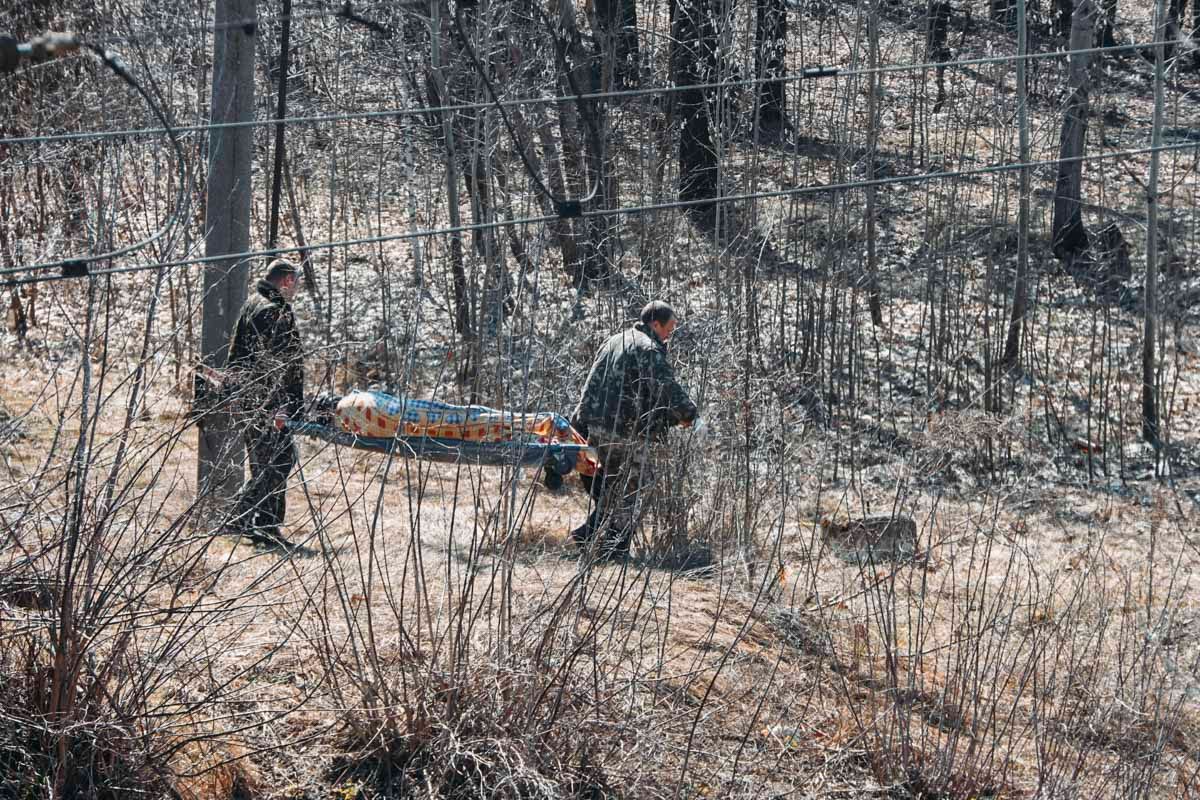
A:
[(816, 180)]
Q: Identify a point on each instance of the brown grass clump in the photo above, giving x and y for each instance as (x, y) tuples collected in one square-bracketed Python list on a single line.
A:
[(203, 770), (91, 749), (486, 733)]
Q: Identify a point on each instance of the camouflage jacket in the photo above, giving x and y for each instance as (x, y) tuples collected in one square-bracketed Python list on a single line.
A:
[(631, 389), (266, 357)]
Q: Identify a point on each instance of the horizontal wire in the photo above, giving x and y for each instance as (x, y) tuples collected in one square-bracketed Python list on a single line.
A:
[(148, 34), (621, 211), (255, 22), (810, 73)]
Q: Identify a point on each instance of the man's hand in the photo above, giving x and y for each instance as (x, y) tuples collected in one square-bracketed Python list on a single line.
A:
[(214, 377)]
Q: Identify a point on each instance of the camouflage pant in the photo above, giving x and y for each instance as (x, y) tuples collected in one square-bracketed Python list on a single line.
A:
[(618, 490), (262, 502)]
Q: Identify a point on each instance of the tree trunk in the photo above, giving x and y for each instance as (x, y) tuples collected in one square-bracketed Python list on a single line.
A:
[(226, 230), (937, 29), (285, 38), (1003, 11), (602, 233), (575, 171), (770, 65), (478, 179), (1069, 237), (872, 276), (1195, 29), (437, 82), (1060, 25), (694, 62), (1012, 344), (561, 227), (306, 259), (1150, 422), (615, 25), (1175, 11), (15, 307), (1109, 17), (593, 161)]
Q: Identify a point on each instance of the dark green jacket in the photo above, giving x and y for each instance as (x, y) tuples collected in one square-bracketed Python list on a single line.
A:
[(631, 389), (266, 355)]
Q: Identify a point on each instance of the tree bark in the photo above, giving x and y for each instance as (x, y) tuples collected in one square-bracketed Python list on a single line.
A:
[(1069, 236), (1062, 20), (226, 230), (306, 260), (561, 227), (770, 65), (694, 62), (437, 82), (1012, 343), (873, 294), (1003, 11), (615, 26), (937, 29), (593, 159), (1150, 421), (1109, 17), (7, 213), (1195, 29), (285, 38), (1175, 11)]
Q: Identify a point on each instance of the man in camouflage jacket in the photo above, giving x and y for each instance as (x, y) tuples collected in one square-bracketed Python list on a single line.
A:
[(266, 360), (629, 400)]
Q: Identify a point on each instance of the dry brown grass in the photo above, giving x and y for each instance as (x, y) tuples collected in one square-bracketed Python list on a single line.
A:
[(476, 660)]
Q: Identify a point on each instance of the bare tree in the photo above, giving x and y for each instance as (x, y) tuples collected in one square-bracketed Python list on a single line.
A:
[(1069, 236), (937, 29), (1108, 18), (693, 63), (585, 125), (770, 65), (439, 97), (1150, 421), (1012, 344), (615, 25)]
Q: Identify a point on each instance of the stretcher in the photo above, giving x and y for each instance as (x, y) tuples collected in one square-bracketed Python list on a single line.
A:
[(436, 431)]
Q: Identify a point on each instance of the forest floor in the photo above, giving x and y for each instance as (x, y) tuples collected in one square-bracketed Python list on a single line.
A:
[(1046, 628)]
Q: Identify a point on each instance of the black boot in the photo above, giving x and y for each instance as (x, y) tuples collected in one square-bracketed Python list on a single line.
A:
[(615, 545), (582, 536), (269, 536)]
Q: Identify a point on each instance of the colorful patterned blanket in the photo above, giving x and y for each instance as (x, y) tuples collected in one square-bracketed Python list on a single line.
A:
[(445, 432)]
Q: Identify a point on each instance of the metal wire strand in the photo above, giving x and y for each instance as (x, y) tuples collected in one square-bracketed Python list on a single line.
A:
[(623, 210), (809, 73)]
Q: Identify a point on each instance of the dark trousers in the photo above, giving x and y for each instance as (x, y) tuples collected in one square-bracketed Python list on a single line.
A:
[(616, 492), (262, 502)]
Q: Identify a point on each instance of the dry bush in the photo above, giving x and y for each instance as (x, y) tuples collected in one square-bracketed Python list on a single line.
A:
[(482, 732), (90, 744), (980, 672)]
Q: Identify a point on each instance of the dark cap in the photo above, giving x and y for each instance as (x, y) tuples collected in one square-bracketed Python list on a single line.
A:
[(281, 268), (657, 311)]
